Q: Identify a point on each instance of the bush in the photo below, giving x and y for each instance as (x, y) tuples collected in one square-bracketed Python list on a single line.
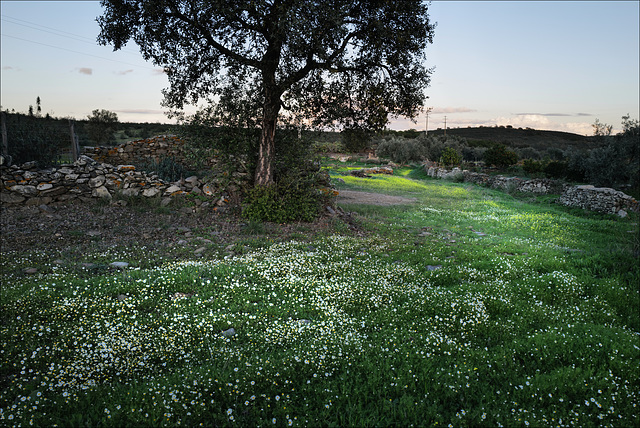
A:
[(616, 163), (557, 169), (286, 201), (531, 166), (500, 156), (450, 157), (34, 139), (101, 126), (167, 169), (355, 140), (300, 190), (401, 150)]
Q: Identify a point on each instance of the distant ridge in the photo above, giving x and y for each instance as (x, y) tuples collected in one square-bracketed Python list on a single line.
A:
[(519, 137)]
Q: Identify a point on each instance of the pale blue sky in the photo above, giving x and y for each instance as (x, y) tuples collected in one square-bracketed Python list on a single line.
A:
[(546, 65)]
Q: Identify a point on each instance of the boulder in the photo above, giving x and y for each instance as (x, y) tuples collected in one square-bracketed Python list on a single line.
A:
[(101, 192)]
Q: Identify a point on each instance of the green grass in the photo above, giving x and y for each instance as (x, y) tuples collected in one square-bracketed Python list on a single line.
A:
[(470, 307)]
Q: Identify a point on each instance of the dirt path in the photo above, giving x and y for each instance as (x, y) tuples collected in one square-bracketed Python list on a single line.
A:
[(368, 198)]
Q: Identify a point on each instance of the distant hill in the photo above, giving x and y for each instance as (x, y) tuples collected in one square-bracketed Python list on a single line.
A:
[(518, 138)]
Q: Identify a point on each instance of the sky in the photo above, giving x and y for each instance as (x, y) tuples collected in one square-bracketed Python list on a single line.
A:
[(545, 65)]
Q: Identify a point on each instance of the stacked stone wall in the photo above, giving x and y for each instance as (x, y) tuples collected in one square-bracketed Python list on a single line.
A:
[(87, 179), (139, 152), (591, 198)]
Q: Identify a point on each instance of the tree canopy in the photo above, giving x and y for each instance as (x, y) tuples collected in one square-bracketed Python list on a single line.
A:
[(351, 62)]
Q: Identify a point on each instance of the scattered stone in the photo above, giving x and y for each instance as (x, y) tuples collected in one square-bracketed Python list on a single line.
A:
[(24, 190), (151, 192), (200, 250), (432, 268), (230, 332), (31, 271), (180, 295), (97, 181), (44, 186), (172, 190), (46, 209), (122, 297), (480, 234), (131, 192), (93, 233), (101, 192), (11, 198), (331, 210), (182, 242), (119, 265)]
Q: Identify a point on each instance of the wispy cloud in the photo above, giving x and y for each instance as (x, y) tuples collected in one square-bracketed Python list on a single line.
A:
[(85, 70), (139, 111), (158, 71), (450, 110), (542, 121), (554, 114), (8, 67), (122, 73)]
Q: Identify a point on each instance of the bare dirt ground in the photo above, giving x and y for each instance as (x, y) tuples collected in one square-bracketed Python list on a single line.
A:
[(93, 225)]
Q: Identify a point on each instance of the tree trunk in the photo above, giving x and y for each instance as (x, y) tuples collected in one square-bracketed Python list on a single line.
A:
[(267, 149)]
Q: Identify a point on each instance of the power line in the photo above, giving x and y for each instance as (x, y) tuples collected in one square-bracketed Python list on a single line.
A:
[(81, 53), (57, 32)]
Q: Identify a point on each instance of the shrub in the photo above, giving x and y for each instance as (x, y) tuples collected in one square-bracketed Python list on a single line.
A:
[(166, 168), (101, 125), (500, 156), (473, 154), (33, 139), (286, 201), (450, 157), (355, 140), (401, 150), (557, 169), (531, 166)]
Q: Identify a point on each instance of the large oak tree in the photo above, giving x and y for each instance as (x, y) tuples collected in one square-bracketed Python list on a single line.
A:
[(352, 62)]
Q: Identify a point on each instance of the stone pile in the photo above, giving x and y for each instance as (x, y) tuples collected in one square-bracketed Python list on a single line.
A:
[(601, 199), (364, 172), (87, 179), (591, 198), (141, 151)]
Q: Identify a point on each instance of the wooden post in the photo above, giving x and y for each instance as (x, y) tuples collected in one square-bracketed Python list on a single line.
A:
[(5, 142), (74, 141)]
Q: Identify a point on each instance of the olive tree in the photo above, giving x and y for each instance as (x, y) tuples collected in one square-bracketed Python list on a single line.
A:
[(349, 62), (101, 125)]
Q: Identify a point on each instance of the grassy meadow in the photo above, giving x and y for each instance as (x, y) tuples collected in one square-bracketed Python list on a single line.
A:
[(471, 307)]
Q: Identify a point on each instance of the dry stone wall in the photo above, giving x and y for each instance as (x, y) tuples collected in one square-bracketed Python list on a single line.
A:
[(88, 179), (591, 198), (141, 151)]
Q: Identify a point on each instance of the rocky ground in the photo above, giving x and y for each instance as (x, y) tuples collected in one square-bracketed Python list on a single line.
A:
[(94, 225)]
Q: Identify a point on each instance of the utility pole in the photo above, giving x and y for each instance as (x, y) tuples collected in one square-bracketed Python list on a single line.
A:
[(445, 126), (426, 127)]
